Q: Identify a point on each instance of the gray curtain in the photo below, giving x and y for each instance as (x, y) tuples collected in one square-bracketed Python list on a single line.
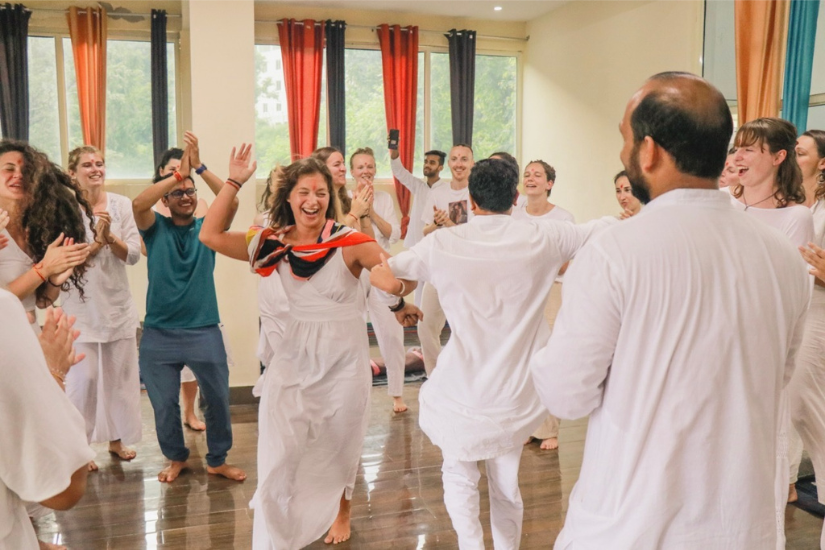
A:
[(336, 99), (160, 86), (14, 71), (462, 83)]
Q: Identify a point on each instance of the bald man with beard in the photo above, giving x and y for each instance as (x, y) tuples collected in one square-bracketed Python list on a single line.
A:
[(677, 335)]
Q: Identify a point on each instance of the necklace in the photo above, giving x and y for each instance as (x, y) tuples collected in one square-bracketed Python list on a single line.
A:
[(757, 202)]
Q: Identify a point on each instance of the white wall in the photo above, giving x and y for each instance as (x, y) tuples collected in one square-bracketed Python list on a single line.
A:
[(583, 62)]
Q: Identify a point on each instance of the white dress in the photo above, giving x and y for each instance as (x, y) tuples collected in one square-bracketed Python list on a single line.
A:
[(105, 386), (661, 342), (43, 442), (313, 411)]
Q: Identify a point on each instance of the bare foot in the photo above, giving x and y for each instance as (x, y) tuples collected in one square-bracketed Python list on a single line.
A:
[(340, 530), (92, 466), (550, 444), (121, 451), (50, 546), (228, 471), (194, 423), (398, 404), (793, 496), (171, 472)]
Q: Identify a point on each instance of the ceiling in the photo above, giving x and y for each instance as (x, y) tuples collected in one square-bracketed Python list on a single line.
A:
[(512, 10)]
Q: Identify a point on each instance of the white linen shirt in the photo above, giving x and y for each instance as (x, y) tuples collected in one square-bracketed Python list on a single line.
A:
[(43, 439), (420, 193), (677, 334), (108, 312), (491, 278)]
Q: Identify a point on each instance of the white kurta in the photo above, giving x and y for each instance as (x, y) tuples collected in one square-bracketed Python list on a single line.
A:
[(491, 276), (420, 192), (108, 312), (661, 340), (557, 213), (43, 441), (313, 410)]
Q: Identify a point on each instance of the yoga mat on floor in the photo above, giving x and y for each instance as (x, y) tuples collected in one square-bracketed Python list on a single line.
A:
[(806, 489)]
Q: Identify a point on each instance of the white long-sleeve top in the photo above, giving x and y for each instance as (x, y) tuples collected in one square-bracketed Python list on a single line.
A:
[(108, 312), (492, 275), (676, 335), (43, 439), (384, 206), (420, 192)]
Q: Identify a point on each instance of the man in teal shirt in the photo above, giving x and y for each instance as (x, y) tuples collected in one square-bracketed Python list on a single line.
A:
[(181, 324)]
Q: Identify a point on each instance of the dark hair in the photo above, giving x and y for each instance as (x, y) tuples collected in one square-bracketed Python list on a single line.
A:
[(493, 184), (169, 154), (504, 155), (622, 174), (342, 198), (695, 133), (548, 170), (280, 212), (51, 207), (819, 139), (361, 151), (777, 135), (440, 154)]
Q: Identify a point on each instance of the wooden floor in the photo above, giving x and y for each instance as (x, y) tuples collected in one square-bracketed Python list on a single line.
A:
[(397, 501)]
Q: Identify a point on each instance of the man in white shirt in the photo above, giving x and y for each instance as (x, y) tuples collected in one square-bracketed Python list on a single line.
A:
[(44, 454), (480, 403), (446, 206), (677, 341), (420, 189)]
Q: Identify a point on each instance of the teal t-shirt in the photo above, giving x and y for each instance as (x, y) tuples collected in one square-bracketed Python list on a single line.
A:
[(181, 283)]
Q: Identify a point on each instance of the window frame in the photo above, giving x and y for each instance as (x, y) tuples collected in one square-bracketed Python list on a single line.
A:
[(427, 50), (62, 100)]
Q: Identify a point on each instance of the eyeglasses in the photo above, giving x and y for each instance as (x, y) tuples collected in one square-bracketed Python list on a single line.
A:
[(179, 193)]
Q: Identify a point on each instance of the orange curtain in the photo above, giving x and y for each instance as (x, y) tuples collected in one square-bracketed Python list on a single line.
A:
[(88, 29), (761, 30), (302, 53)]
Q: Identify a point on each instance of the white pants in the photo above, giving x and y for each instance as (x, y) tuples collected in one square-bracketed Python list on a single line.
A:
[(429, 329), (390, 336), (461, 499), (105, 388)]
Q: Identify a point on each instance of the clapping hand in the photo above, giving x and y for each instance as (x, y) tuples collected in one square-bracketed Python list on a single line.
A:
[(815, 257), (441, 218), (362, 202), (240, 168), (57, 341), (103, 226), (191, 140)]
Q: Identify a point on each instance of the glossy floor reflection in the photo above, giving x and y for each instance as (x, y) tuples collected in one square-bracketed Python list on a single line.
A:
[(397, 501)]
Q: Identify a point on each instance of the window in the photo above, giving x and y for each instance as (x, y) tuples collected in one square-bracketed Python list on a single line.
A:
[(495, 106), (129, 151), (719, 59)]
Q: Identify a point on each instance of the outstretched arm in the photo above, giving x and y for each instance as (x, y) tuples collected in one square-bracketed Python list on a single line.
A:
[(212, 180), (214, 233), (143, 203)]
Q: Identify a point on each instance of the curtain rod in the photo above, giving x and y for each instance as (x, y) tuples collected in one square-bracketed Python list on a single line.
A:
[(122, 15), (420, 31)]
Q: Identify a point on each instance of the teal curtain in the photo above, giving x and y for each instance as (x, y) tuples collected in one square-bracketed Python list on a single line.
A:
[(799, 62)]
